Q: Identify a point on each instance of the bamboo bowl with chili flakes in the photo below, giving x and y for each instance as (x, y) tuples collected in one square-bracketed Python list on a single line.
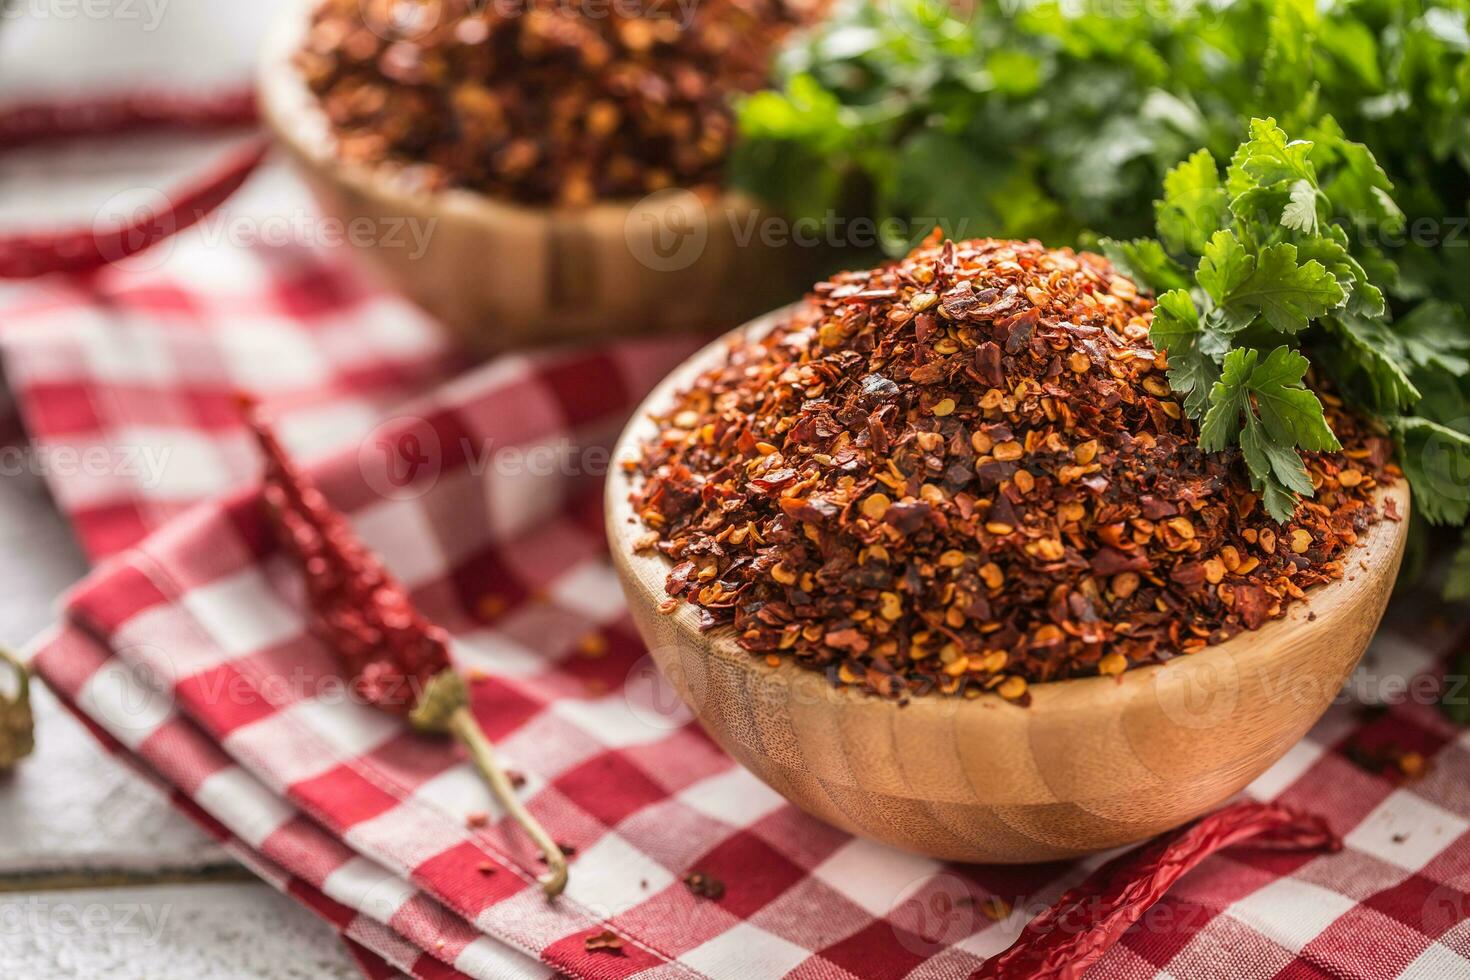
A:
[(1089, 764), (500, 274)]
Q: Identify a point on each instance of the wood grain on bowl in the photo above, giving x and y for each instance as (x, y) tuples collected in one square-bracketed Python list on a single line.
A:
[(1091, 764)]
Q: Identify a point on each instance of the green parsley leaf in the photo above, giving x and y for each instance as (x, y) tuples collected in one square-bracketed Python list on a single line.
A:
[(1434, 337), (1364, 297), (1436, 459), (1290, 411), (1269, 284), (1301, 213), (1193, 206), (1224, 266), (1192, 348), (1269, 158), (1457, 584), (1145, 262), (1265, 406), (1371, 351)]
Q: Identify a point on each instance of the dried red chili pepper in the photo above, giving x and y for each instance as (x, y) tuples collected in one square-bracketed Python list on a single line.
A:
[(1062, 942), (396, 659), (965, 471), (84, 249)]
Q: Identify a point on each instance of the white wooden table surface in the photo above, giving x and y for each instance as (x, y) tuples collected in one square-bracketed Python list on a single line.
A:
[(99, 877)]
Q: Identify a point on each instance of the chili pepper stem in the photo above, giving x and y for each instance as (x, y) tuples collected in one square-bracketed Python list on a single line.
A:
[(463, 726), (17, 724)]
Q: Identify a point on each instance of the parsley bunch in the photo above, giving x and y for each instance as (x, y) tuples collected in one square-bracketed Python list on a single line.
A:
[(1248, 264), (1057, 121)]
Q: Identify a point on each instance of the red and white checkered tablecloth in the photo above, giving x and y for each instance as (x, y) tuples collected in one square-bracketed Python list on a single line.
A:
[(187, 653)]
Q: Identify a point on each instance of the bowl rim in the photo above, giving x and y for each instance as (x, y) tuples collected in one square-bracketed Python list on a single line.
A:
[(1381, 547), (294, 114)]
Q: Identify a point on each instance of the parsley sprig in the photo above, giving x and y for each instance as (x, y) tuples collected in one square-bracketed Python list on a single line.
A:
[(1268, 261), (1273, 257)]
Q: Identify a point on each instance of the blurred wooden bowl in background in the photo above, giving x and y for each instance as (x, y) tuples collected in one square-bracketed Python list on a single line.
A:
[(502, 275)]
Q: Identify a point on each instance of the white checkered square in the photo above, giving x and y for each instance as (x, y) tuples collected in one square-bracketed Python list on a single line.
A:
[(1290, 912), (267, 354), (129, 709), (873, 876), (405, 836), (609, 877), (174, 463), (1437, 963), (592, 590), (401, 528), (746, 952), (1406, 830), (238, 800), (458, 791), (369, 888), (1286, 770), (241, 614), (486, 958), (735, 797)]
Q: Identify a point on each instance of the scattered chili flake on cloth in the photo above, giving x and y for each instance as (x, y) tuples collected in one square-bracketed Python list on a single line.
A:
[(966, 471)]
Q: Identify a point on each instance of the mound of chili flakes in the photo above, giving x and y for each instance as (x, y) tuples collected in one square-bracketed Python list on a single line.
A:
[(541, 101), (966, 472)]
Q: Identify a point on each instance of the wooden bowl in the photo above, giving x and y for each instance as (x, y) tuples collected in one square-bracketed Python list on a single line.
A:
[(502, 275), (1091, 764)]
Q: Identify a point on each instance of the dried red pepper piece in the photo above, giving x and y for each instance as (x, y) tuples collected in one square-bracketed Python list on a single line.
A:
[(606, 941), (396, 659), (1065, 940), (85, 249)]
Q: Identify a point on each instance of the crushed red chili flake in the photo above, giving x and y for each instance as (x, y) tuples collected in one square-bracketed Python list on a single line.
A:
[(705, 886), (1390, 760), (605, 942), (965, 471), (565, 101), (995, 908)]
